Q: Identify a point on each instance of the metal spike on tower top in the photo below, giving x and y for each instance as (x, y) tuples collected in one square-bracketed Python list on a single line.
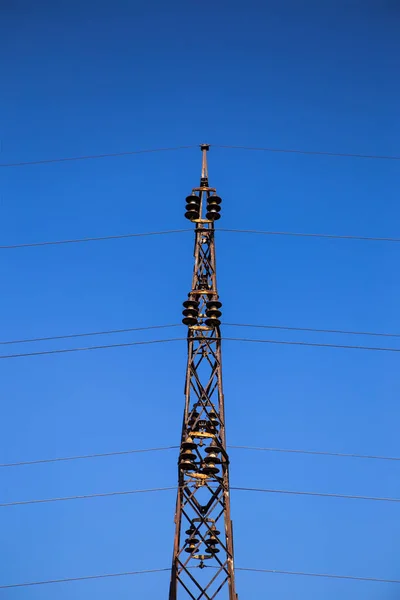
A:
[(204, 167), (202, 565)]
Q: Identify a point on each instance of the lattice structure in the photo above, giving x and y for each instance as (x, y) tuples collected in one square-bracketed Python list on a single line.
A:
[(202, 567)]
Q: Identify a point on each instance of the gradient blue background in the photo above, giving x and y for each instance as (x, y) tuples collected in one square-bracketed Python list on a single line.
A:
[(90, 78)]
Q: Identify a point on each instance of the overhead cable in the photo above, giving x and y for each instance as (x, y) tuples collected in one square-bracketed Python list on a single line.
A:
[(92, 239), (318, 494), (85, 578), (180, 339), (66, 350), (248, 569), (313, 235), (130, 329), (312, 329), (317, 453), (85, 497), (92, 156), (234, 488), (324, 575), (312, 344), (164, 448), (224, 230), (87, 334), (310, 152), (152, 150), (85, 456)]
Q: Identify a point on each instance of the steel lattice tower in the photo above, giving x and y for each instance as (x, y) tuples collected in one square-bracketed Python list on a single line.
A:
[(202, 567)]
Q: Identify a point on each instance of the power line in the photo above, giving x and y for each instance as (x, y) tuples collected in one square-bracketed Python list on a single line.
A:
[(311, 329), (152, 150), (130, 329), (92, 239), (87, 334), (313, 235), (92, 156), (228, 339), (325, 575), (172, 231), (66, 350), (85, 578), (310, 152), (254, 570), (316, 453), (318, 494), (162, 489), (85, 497), (312, 344), (85, 456), (138, 451)]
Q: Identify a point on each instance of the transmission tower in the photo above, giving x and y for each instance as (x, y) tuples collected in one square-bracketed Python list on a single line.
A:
[(202, 567)]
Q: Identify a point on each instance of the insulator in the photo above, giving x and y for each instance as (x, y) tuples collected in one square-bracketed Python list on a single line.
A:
[(212, 322), (213, 313), (212, 214), (192, 211), (192, 304), (188, 444), (212, 448), (186, 460), (212, 542), (213, 208), (188, 455), (191, 530), (192, 201), (201, 424), (211, 428), (211, 424), (192, 418), (213, 532), (212, 550), (191, 215), (192, 541), (212, 459), (213, 305), (210, 469), (192, 207), (186, 465), (189, 320), (190, 312), (190, 548), (214, 418)]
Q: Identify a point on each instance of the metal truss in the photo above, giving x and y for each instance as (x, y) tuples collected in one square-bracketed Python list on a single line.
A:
[(202, 567)]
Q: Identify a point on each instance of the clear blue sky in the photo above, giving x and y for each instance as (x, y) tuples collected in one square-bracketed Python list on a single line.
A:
[(89, 78)]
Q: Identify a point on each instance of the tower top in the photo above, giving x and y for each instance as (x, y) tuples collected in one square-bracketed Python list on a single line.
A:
[(204, 167)]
